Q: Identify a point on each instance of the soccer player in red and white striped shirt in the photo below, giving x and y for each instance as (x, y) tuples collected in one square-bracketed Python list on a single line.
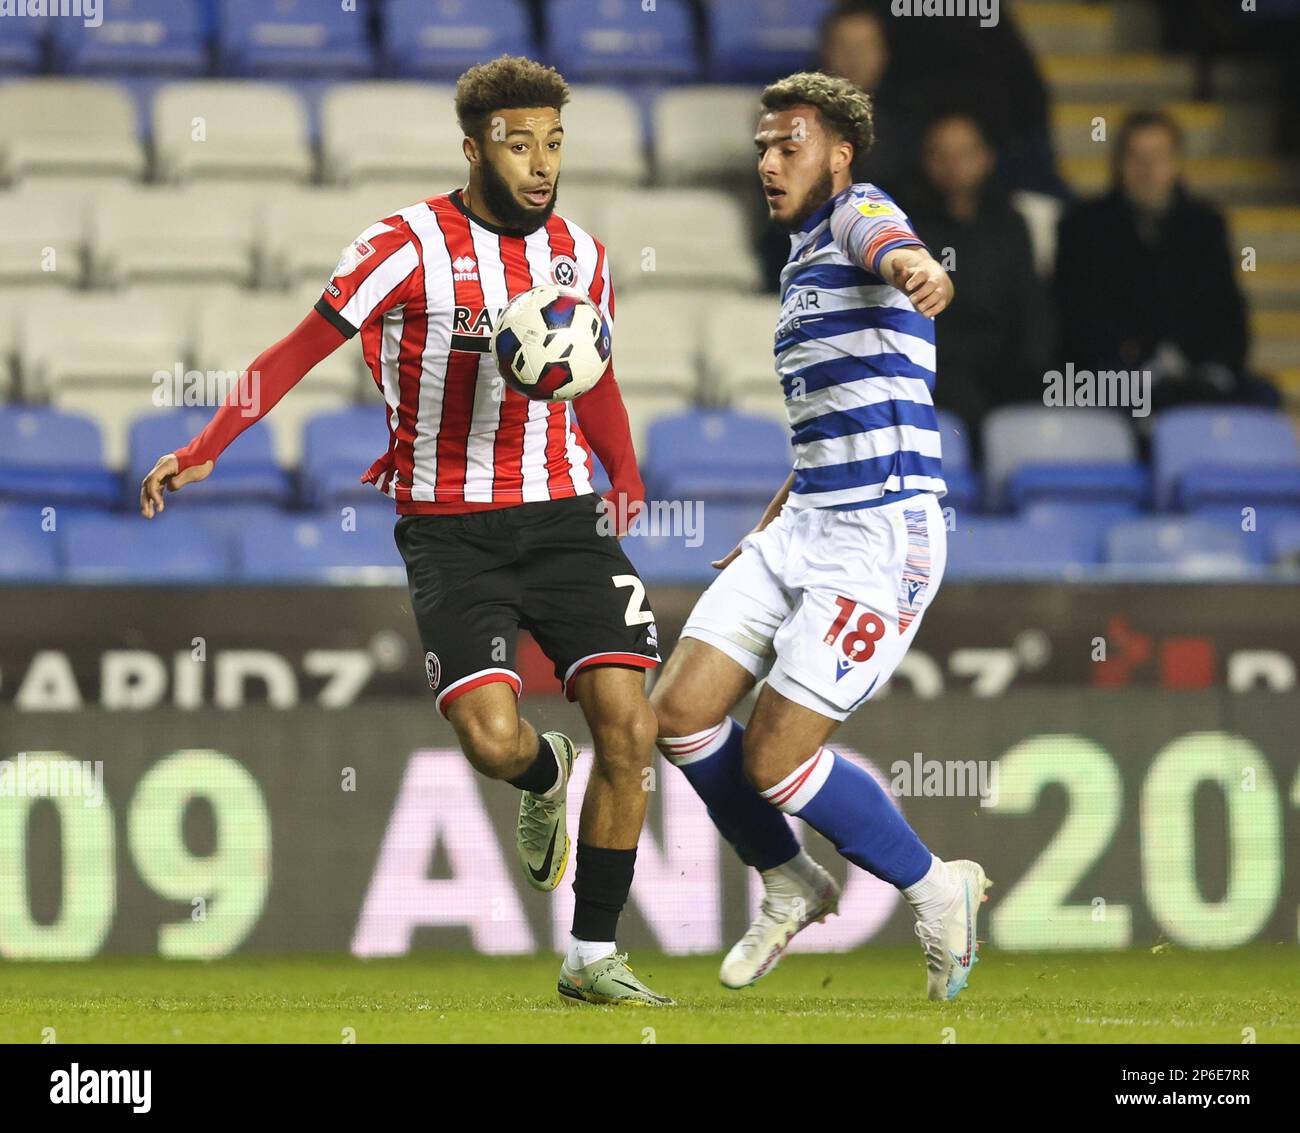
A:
[(499, 527)]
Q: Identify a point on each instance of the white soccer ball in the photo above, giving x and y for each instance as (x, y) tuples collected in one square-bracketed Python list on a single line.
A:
[(551, 343)]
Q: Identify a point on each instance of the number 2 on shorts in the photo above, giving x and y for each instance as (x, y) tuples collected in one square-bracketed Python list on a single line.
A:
[(636, 613)]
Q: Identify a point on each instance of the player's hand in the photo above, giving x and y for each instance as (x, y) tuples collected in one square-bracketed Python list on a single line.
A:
[(166, 475), (620, 511), (726, 561), (919, 276)]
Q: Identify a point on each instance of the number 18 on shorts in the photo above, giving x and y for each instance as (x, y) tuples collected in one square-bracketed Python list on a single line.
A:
[(826, 603)]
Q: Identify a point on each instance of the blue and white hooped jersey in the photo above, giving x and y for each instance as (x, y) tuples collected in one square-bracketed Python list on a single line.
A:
[(856, 360)]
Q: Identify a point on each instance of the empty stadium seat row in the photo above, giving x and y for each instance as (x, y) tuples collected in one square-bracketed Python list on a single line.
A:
[(259, 543), (367, 132), (247, 236), (1242, 460), (424, 38), (100, 352)]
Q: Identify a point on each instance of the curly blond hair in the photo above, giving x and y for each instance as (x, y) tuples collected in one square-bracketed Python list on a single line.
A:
[(847, 111)]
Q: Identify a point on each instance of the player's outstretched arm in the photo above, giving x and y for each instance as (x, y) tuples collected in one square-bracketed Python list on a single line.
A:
[(272, 374), (773, 510), (875, 235), (920, 277)]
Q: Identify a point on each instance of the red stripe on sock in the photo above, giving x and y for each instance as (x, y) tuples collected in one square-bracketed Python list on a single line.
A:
[(686, 749), (790, 791)]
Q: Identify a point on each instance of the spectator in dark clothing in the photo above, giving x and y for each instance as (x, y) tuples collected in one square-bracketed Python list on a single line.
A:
[(995, 342), (957, 62), (854, 46), (1146, 280)]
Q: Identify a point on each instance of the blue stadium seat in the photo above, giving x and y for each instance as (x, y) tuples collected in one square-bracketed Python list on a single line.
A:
[(247, 470), (48, 456), (1036, 452), (27, 552), (316, 548), (22, 45), (141, 36), (1186, 547), (1204, 454), (174, 547), (440, 39), (293, 37), (962, 479), (717, 454), (667, 559), (620, 40), (337, 448), (1126, 483), (1284, 542), (227, 521), (1100, 514), (762, 41), (1018, 547), (1255, 527)]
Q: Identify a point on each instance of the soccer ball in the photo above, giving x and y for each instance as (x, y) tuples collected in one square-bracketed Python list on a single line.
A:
[(551, 343)]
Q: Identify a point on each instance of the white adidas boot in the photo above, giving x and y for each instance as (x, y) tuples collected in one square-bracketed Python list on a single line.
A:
[(798, 894), (949, 939)]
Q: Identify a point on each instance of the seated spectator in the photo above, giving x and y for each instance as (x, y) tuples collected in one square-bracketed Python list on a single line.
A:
[(995, 341), (1146, 280)]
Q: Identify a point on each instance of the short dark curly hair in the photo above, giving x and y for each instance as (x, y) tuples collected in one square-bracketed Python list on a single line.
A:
[(505, 83), (847, 111)]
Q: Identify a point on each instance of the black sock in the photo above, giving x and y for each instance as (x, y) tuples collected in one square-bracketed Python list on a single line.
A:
[(600, 887), (540, 775)]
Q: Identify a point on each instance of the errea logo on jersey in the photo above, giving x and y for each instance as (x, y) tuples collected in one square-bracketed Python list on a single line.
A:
[(464, 268)]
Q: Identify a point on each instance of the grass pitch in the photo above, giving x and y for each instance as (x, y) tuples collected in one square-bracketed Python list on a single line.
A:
[(872, 995)]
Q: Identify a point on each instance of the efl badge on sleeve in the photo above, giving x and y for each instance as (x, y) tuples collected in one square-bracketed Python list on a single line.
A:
[(353, 255), (873, 209)]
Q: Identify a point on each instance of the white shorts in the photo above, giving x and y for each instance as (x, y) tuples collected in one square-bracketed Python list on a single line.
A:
[(826, 603)]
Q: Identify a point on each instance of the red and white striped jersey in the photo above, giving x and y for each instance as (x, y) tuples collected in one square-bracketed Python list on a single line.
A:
[(423, 288)]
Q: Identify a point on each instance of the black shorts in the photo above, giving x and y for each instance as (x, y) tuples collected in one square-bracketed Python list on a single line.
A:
[(476, 578)]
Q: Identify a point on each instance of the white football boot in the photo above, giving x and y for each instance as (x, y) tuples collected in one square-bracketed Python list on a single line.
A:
[(796, 895), (949, 940)]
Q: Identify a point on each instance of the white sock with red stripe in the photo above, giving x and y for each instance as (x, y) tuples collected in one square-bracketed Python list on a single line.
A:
[(800, 787), (683, 750)]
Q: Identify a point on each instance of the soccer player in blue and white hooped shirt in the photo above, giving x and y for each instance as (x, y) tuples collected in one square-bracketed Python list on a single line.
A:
[(825, 595)]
